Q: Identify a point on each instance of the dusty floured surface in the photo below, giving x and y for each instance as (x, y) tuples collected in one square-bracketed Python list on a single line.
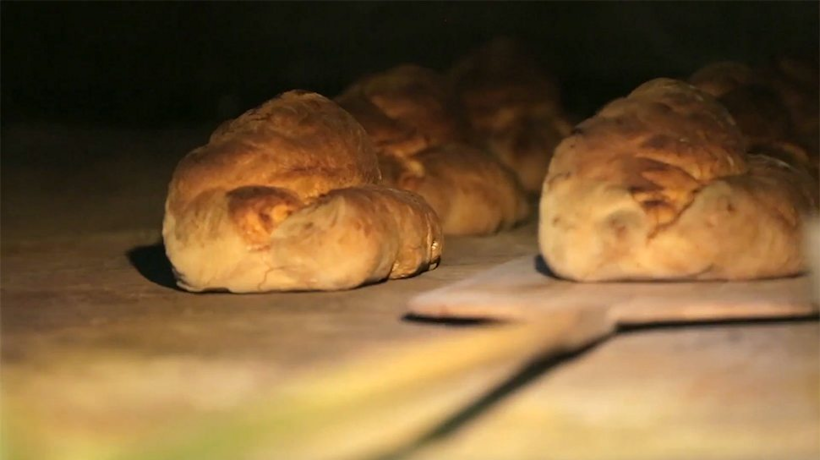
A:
[(97, 343)]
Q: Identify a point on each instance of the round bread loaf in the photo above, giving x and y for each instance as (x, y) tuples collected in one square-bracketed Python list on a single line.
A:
[(288, 197), (658, 185)]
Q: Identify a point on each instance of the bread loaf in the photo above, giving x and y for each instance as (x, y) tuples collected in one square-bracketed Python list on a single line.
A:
[(513, 106), (288, 196), (797, 81), (659, 185), (423, 142), (759, 111)]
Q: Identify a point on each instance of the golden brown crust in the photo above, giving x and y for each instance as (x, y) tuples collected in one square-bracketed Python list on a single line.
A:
[(282, 188), (410, 113), (405, 219), (513, 106), (406, 109), (299, 141), (256, 211), (396, 138), (353, 236), (658, 186), (662, 143)]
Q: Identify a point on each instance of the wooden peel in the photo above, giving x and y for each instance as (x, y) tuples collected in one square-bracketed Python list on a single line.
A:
[(523, 289)]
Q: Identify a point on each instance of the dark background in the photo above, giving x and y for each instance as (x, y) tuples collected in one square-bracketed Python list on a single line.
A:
[(154, 64)]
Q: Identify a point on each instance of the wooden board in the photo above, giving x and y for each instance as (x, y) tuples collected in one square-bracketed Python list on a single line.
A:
[(523, 289)]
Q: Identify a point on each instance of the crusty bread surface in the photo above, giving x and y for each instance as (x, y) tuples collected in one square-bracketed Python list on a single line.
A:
[(513, 106), (425, 144), (288, 196), (659, 185)]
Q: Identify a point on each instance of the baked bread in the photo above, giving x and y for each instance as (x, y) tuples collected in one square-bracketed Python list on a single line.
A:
[(755, 106), (423, 143), (658, 185), (513, 106), (288, 197), (797, 81), (759, 111)]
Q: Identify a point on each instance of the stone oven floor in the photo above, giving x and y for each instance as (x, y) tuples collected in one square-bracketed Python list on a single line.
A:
[(99, 347)]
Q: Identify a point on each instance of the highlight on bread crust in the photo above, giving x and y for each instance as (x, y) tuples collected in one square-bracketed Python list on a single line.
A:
[(423, 143), (513, 106), (658, 185), (288, 196)]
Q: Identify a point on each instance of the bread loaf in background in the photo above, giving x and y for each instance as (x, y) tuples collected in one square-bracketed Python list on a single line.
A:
[(288, 196), (513, 106), (659, 185), (755, 106), (797, 80), (425, 145), (761, 113)]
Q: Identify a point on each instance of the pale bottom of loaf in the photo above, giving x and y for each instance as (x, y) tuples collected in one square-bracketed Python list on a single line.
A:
[(345, 239)]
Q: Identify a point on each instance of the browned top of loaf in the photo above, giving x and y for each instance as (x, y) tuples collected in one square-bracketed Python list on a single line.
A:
[(299, 141), (663, 142), (406, 109)]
